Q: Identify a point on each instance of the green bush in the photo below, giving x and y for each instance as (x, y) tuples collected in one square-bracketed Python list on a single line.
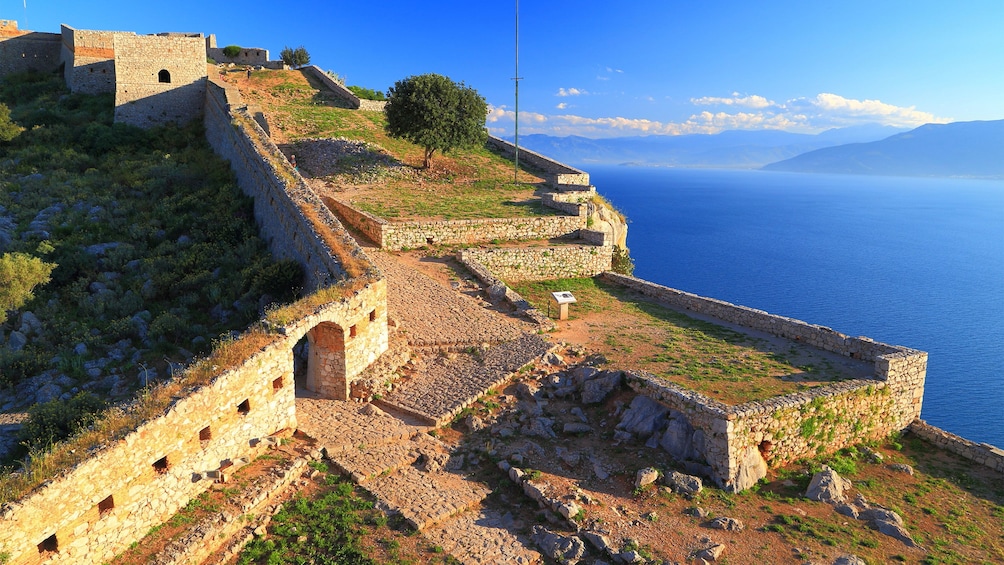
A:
[(367, 93), (232, 51), (621, 261), (19, 275), (52, 421)]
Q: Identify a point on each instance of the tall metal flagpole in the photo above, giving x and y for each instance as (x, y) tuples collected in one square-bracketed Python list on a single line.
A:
[(515, 176)]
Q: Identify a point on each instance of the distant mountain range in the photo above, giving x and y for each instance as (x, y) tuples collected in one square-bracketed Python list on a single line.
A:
[(973, 149), (960, 149)]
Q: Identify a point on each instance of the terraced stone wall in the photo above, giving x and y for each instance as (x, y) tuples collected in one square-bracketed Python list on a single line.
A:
[(113, 498), (541, 263), (409, 235), (27, 50), (980, 453), (737, 442), (556, 174)]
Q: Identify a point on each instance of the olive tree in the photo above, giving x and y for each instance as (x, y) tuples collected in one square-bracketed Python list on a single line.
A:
[(20, 273), (295, 57), (436, 113)]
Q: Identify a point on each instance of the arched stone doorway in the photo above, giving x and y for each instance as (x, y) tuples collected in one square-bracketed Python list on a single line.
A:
[(326, 368)]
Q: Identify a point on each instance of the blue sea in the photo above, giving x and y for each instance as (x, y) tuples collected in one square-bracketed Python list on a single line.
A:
[(917, 262)]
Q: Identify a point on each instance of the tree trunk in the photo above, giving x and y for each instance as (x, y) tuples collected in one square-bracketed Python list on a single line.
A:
[(428, 157)]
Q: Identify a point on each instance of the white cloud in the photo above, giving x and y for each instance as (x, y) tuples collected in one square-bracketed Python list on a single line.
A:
[(561, 106), (849, 110), (570, 92), (750, 101), (613, 70)]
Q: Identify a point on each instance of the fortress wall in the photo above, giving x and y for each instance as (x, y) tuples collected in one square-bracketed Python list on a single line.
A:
[(980, 453), (113, 498), (371, 226), (247, 56), (22, 51), (571, 205), (141, 99), (339, 90), (400, 235), (278, 191), (820, 337), (89, 57), (555, 173), (541, 263)]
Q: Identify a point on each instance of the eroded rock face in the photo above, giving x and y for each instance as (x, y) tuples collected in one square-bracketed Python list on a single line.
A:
[(751, 469), (644, 417), (678, 439)]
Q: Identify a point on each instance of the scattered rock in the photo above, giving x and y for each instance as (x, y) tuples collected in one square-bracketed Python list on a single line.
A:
[(578, 413), (871, 455), (697, 512), (709, 554), (560, 548), (568, 457), (16, 341), (827, 486), (539, 427), (847, 510), (554, 359), (646, 476), (576, 428), (595, 391), (901, 468), (583, 373), (887, 522), (687, 485), (569, 510), (849, 560), (727, 524), (432, 462), (474, 423)]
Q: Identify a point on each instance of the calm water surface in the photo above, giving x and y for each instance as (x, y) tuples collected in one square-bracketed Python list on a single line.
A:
[(914, 262)]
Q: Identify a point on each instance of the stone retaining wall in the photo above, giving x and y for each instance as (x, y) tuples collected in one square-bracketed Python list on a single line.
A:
[(337, 88), (409, 235), (555, 174), (980, 453), (541, 263)]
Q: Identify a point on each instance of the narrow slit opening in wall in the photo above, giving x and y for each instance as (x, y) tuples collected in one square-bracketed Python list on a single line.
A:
[(244, 407), (206, 434), (372, 315), (49, 544), (106, 505), (277, 384), (352, 331), (161, 465)]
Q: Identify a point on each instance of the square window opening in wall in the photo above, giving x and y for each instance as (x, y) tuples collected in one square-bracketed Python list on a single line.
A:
[(277, 384), (161, 465), (372, 315), (206, 434), (244, 407), (352, 331), (106, 505), (49, 544)]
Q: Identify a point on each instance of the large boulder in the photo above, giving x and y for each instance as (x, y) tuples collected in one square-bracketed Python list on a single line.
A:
[(678, 439), (597, 389), (827, 486), (557, 547), (643, 417), (750, 470), (687, 485)]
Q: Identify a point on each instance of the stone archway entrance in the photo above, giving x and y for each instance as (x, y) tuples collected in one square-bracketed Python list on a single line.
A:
[(326, 366)]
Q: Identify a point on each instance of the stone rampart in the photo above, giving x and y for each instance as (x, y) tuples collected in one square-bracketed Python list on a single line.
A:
[(555, 174), (280, 194), (22, 51), (515, 264), (89, 59), (159, 79), (980, 453), (247, 56), (337, 88), (97, 509), (412, 234)]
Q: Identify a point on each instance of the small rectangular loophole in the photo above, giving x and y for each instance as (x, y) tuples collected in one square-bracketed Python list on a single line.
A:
[(206, 434), (244, 407), (372, 315), (106, 505), (352, 331), (161, 465), (277, 384)]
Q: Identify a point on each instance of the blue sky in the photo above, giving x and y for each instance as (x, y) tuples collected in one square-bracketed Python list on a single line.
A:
[(638, 67)]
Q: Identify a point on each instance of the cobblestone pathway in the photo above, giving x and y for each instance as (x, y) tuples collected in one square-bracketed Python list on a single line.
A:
[(408, 471), (444, 387), (433, 315)]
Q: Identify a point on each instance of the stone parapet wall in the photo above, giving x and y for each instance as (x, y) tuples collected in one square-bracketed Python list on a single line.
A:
[(980, 453), (89, 59), (820, 337), (94, 511), (22, 51), (337, 88), (556, 174), (248, 56), (571, 203), (279, 193), (370, 226), (541, 263)]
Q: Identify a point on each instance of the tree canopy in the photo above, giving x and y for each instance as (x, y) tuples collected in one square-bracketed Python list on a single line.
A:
[(295, 57), (20, 273), (433, 111)]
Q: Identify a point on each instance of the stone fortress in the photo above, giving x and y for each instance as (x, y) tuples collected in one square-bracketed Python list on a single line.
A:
[(92, 512)]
